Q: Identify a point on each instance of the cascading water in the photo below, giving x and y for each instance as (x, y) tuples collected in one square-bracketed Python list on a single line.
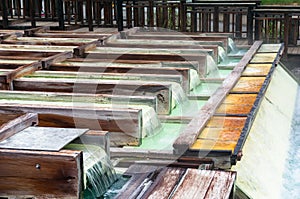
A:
[(261, 169), (194, 79), (222, 56), (178, 95), (291, 182), (212, 67), (99, 173), (151, 122), (232, 47)]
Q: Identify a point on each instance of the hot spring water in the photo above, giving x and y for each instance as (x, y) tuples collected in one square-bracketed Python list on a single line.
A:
[(263, 165), (291, 176), (99, 173), (232, 47)]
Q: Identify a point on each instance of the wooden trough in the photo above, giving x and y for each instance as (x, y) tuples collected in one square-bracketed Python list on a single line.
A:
[(48, 170)]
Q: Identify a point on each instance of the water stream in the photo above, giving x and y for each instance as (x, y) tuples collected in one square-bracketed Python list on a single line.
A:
[(99, 173), (232, 47), (222, 54), (291, 182)]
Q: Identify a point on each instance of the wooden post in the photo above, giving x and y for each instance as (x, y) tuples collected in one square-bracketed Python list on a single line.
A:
[(238, 25), (286, 33), (216, 19), (32, 13), (250, 25), (120, 15), (60, 14), (182, 15), (89, 14), (4, 14)]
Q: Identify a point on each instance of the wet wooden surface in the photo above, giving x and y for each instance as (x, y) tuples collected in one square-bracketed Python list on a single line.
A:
[(170, 182), (42, 174), (224, 129)]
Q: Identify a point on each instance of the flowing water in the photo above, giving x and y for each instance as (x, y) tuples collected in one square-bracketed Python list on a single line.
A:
[(232, 47), (222, 54), (212, 67), (178, 95), (291, 183), (99, 173), (151, 122)]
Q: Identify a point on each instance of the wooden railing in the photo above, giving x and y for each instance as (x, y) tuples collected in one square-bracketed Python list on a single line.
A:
[(242, 18)]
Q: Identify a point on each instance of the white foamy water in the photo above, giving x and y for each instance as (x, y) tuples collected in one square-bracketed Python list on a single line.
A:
[(291, 183), (261, 170), (222, 54)]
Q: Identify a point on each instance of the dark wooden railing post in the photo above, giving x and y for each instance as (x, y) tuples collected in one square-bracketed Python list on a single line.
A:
[(89, 13), (182, 15), (32, 13), (120, 15), (60, 14), (250, 27), (216, 19), (286, 32), (4, 14)]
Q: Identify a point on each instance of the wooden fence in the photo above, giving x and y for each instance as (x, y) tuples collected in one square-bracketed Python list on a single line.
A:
[(243, 18)]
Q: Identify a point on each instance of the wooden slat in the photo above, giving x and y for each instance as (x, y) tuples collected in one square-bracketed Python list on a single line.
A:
[(203, 144), (226, 122), (18, 124), (248, 85), (42, 174), (257, 70), (194, 184), (222, 185), (161, 90), (220, 134), (164, 186), (107, 119), (264, 58)]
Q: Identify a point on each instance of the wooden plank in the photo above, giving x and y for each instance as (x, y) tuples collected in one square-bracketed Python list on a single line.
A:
[(234, 109), (216, 145), (43, 174), (113, 76), (18, 124), (264, 58), (221, 185), (80, 98), (164, 185), (132, 88), (220, 134), (190, 134), (226, 122), (24, 70), (46, 62), (81, 50), (96, 118), (257, 70), (116, 139), (194, 184), (248, 85)]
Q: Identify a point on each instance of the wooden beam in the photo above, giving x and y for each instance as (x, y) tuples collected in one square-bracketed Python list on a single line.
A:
[(41, 174), (80, 51), (46, 62), (190, 134), (18, 124), (133, 88)]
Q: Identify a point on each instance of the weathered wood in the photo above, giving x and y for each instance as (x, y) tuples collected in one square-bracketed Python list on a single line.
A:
[(194, 184), (43, 174), (18, 124), (248, 85), (163, 91), (190, 134), (80, 98), (113, 76), (107, 119), (24, 70), (46, 62), (80, 51), (163, 186)]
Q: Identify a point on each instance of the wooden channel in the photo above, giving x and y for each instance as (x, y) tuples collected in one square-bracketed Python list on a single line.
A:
[(227, 129)]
